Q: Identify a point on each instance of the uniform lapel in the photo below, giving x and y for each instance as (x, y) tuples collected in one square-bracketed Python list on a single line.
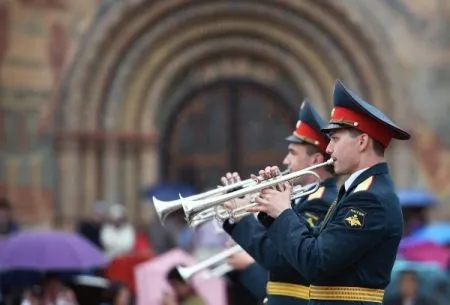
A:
[(377, 169), (332, 208)]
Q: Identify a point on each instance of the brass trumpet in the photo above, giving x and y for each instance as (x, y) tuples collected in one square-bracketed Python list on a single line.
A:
[(221, 214), (165, 208), (193, 209)]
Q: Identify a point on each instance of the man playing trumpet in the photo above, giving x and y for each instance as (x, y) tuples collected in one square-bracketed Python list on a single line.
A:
[(349, 260), (285, 286)]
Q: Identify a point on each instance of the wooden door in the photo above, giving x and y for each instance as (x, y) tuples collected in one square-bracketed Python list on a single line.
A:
[(228, 126)]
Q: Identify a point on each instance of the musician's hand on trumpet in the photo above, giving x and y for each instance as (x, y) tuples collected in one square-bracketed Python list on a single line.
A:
[(273, 201), (236, 203)]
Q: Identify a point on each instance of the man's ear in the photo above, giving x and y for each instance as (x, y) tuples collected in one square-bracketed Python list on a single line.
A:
[(364, 141), (318, 158)]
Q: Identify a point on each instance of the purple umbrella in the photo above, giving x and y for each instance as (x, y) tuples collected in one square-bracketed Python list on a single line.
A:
[(49, 251)]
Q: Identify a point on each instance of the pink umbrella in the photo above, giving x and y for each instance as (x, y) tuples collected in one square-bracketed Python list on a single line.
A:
[(426, 251), (150, 279)]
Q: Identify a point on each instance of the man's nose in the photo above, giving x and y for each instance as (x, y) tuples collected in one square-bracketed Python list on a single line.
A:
[(329, 149)]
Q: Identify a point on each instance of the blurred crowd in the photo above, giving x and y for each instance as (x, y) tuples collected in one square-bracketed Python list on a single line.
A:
[(141, 262)]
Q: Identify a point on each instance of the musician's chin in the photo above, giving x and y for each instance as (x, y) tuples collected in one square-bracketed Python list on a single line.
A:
[(337, 170)]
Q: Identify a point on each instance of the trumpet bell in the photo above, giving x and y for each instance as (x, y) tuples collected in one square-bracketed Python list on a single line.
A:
[(164, 208), (186, 272)]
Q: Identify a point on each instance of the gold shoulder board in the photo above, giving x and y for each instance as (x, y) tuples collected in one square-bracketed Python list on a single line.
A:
[(365, 185), (317, 194)]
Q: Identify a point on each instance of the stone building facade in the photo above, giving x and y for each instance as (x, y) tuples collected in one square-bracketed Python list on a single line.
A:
[(100, 99)]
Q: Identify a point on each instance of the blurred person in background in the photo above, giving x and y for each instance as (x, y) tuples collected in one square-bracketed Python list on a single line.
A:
[(52, 292), (90, 228), (118, 294), (408, 284), (142, 243), (117, 234), (417, 204), (7, 223), (184, 292), (160, 237)]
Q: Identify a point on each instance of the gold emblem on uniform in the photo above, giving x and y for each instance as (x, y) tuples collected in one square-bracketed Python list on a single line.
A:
[(355, 218), (353, 221)]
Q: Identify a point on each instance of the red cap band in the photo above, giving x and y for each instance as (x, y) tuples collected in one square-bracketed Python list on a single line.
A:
[(373, 128), (311, 136)]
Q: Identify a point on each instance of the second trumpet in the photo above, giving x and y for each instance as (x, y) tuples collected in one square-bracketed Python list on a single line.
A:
[(194, 208)]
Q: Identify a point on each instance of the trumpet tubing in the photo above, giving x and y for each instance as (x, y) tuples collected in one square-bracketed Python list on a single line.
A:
[(192, 208), (219, 271), (164, 208), (221, 214), (297, 191), (187, 272), (218, 213)]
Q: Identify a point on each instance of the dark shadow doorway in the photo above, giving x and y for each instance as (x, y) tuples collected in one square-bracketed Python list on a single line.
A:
[(226, 126)]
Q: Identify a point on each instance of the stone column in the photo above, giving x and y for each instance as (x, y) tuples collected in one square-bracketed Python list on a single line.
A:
[(111, 172), (131, 183), (68, 181), (39, 205), (12, 175), (149, 175), (90, 177)]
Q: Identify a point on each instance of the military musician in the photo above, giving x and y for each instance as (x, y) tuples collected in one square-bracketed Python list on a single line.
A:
[(307, 145), (349, 260)]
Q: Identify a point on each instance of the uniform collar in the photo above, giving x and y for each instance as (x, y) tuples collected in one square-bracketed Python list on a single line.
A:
[(353, 177), (360, 176)]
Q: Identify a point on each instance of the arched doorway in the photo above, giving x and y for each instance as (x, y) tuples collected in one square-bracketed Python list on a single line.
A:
[(159, 50), (226, 126)]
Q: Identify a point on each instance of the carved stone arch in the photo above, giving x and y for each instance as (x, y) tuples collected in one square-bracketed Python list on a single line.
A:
[(311, 9), (226, 69), (138, 49)]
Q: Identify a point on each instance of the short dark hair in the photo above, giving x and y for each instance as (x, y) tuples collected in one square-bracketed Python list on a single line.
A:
[(311, 150), (174, 275), (377, 147)]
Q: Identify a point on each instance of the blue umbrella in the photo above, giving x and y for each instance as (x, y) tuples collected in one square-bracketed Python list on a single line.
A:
[(169, 191), (416, 198), (438, 232)]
